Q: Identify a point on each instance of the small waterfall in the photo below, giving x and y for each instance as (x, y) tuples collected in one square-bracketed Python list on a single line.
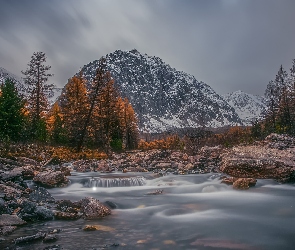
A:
[(116, 181)]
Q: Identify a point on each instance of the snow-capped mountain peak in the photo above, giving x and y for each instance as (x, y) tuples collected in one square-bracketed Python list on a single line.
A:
[(249, 107), (164, 98)]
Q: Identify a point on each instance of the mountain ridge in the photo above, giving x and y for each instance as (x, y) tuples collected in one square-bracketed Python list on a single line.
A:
[(164, 98)]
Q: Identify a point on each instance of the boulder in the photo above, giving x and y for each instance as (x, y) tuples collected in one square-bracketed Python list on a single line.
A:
[(10, 220), (6, 230), (259, 162), (244, 183), (229, 180), (13, 174), (10, 193), (93, 208), (29, 211), (51, 179), (41, 195)]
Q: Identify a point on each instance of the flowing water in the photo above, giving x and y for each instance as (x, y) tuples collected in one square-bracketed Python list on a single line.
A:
[(193, 212)]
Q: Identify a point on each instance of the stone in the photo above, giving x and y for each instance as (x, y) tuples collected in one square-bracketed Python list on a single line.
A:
[(6, 230), (51, 179), (244, 183), (27, 239), (31, 212), (93, 208), (10, 220), (90, 228), (4, 209), (67, 206), (12, 174), (259, 162), (98, 227), (43, 213), (10, 192), (54, 247), (41, 195), (50, 238), (229, 180), (156, 192), (67, 216)]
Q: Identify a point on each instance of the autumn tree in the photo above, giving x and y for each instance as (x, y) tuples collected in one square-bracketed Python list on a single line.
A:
[(128, 124), (11, 112), (96, 86), (38, 92), (104, 118), (55, 125), (74, 105)]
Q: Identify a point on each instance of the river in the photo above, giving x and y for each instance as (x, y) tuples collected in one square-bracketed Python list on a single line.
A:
[(193, 212)]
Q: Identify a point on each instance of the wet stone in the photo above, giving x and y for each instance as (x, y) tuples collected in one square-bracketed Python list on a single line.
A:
[(41, 195), (50, 238), (27, 239), (6, 230), (10, 220)]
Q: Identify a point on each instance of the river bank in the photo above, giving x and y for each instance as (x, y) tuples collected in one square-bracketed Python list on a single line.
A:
[(24, 200)]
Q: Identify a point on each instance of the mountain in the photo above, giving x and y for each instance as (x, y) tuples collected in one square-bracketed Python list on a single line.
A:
[(5, 74), (249, 107), (162, 97)]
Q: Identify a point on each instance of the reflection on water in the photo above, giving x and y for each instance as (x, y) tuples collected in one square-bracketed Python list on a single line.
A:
[(193, 212)]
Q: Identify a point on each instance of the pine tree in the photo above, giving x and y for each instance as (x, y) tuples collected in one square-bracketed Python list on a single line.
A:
[(11, 112), (278, 103), (74, 104), (38, 91), (292, 97)]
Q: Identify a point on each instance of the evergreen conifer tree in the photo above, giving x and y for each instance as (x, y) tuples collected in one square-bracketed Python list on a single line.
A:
[(38, 91), (11, 112)]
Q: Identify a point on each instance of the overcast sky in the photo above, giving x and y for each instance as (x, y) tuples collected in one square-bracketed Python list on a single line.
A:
[(228, 44)]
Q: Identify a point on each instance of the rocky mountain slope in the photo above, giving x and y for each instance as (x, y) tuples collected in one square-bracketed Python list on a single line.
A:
[(5, 74), (249, 107), (164, 98)]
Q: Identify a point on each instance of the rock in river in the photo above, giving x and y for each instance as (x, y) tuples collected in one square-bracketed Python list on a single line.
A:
[(93, 208), (51, 179)]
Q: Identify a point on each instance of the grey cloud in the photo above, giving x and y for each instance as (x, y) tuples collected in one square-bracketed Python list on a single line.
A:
[(229, 44)]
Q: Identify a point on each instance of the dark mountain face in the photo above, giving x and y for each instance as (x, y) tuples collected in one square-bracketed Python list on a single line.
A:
[(162, 97)]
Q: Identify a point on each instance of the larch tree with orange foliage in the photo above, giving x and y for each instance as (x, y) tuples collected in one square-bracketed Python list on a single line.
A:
[(55, 125), (130, 129), (107, 116), (74, 105)]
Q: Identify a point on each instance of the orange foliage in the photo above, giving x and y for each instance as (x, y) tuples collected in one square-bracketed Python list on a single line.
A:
[(170, 142)]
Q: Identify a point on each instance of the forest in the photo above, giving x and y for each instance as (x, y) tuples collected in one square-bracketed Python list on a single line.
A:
[(94, 116)]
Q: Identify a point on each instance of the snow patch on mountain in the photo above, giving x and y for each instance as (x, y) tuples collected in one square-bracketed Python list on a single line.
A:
[(162, 97), (5, 74), (249, 107)]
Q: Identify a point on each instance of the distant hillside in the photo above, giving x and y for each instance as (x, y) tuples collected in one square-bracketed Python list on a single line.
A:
[(248, 107)]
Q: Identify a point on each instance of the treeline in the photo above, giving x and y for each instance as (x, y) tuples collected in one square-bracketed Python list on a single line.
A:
[(87, 114), (280, 116)]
